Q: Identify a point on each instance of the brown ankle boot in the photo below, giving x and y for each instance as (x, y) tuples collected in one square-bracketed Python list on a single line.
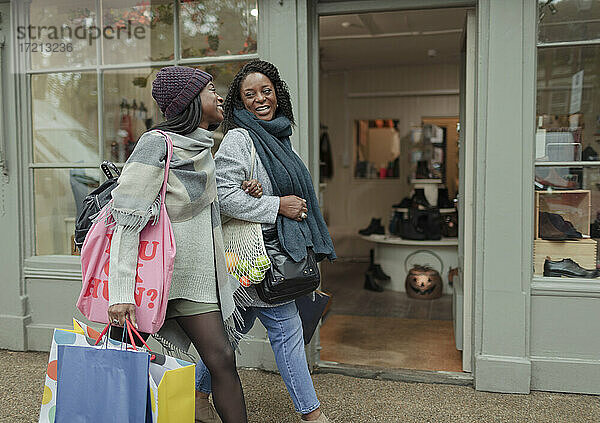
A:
[(205, 412)]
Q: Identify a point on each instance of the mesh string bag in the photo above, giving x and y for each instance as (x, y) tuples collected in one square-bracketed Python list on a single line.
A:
[(245, 252)]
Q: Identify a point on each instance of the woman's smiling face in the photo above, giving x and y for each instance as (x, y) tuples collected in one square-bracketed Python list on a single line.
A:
[(258, 95)]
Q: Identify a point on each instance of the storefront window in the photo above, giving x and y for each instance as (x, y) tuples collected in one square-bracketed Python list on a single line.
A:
[(569, 20), (56, 34), (567, 144), (112, 51), (137, 31), (65, 117), (58, 192), (218, 27), (129, 109)]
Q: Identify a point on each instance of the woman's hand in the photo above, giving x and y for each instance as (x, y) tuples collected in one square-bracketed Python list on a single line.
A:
[(253, 187), (293, 207), (117, 313)]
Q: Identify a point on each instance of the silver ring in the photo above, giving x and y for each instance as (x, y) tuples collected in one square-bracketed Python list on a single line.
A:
[(303, 215)]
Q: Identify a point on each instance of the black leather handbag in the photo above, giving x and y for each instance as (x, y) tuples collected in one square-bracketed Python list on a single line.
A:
[(95, 201), (287, 280)]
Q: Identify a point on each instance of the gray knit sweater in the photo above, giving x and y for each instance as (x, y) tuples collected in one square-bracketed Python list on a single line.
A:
[(194, 270), (233, 167)]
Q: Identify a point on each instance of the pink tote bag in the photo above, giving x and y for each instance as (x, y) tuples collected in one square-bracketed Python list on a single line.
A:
[(156, 256)]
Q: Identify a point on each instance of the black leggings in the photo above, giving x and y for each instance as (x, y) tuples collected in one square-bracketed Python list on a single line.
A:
[(207, 333)]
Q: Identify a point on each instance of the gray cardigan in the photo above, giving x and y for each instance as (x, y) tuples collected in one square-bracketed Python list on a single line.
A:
[(233, 167)]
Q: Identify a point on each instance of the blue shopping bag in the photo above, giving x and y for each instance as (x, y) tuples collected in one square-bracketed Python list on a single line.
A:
[(102, 385)]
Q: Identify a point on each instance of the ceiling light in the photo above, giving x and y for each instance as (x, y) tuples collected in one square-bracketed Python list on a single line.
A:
[(432, 52), (346, 24), (254, 12)]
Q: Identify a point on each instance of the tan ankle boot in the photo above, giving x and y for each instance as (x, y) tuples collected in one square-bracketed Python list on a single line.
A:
[(205, 412), (322, 419)]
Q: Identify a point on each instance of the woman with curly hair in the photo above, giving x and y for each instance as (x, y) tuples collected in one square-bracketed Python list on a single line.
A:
[(258, 111)]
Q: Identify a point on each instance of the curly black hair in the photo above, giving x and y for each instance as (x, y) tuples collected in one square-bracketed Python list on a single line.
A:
[(234, 99)]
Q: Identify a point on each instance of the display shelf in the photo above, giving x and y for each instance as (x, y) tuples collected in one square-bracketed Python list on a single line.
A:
[(574, 206), (396, 240), (417, 181), (405, 210)]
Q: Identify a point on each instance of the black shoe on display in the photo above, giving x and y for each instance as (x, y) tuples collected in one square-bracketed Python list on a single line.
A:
[(378, 273), (443, 201), (553, 227), (374, 227), (568, 268), (371, 284), (404, 204), (422, 170), (396, 224), (419, 200)]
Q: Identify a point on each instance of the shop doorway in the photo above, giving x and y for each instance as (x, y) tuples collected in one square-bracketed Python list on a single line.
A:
[(395, 90)]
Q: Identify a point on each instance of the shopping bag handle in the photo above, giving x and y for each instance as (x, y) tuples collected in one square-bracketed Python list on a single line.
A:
[(130, 329)]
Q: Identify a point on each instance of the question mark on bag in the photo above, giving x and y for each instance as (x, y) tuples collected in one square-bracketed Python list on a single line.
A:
[(153, 293)]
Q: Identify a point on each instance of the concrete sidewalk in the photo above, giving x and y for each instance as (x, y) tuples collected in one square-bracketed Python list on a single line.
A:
[(345, 399)]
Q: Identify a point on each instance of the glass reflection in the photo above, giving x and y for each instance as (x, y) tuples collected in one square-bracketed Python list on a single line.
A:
[(568, 20), (142, 31), (130, 110), (218, 27), (58, 34), (64, 117), (58, 196)]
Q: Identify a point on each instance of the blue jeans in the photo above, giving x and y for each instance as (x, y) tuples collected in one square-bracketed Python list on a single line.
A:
[(285, 334)]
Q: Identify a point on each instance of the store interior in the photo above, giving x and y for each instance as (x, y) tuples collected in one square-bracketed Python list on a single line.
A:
[(389, 115)]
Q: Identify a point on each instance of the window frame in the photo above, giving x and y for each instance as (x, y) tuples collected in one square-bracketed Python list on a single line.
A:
[(34, 262), (545, 284)]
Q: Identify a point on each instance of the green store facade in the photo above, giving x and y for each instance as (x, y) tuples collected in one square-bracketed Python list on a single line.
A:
[(75, 91)]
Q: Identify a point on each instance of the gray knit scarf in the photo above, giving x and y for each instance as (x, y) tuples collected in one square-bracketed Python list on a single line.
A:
[(289, 176), (191, 188)]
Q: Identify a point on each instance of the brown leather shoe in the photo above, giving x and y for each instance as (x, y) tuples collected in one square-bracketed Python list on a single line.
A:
[(205, 412)]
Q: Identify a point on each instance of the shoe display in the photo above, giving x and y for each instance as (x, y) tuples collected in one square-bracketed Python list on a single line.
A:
[(404, 204), (433, 226), (374, 227), (396, 224), (412, 232), (443, 201), (371, 284), (595, 227), (419, 200), (553, 227), (423, 225), (378, 273), (422, 170), (450, 225), (568, 268)]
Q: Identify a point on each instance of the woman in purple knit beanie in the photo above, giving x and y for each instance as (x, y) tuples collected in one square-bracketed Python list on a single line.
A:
[(201, 295)]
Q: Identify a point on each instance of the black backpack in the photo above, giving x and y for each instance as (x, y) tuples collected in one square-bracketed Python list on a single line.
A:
[(95, 201)]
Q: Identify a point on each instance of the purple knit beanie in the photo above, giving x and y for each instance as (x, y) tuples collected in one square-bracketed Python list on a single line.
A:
[(176, 86)]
